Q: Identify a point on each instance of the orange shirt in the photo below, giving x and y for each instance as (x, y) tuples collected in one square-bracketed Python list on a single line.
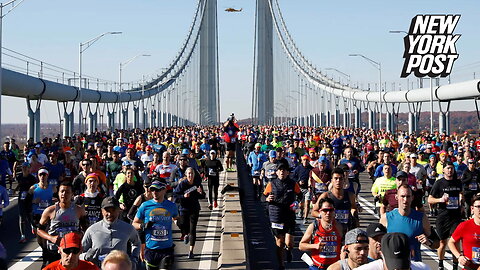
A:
[(82, 265)]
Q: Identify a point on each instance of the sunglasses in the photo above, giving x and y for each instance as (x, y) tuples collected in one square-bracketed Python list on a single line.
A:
[(73, 250), (327, 209), (86, 164), (182, 159), (156, 189)]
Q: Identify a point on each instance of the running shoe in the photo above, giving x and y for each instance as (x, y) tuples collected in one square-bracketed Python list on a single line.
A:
[(305, 221), (210, 206), (22, 239), (186, 239), (190, 255), (215, 204)]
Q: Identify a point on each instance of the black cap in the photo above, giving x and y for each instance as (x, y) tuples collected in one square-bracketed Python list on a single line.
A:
[(376, 229), (110, 202), (282, 166), (148, 181), (401, 174), (396, 250)]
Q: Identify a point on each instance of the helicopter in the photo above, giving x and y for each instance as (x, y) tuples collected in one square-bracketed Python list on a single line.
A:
[(233, 10)]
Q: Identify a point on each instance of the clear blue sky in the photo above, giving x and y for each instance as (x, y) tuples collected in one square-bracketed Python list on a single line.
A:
[(325, 31)]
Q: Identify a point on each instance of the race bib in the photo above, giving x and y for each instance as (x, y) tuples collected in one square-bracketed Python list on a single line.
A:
[(256, 173), (52, 182), (43, 204), (159, 233), (271, 174), (341, 216), (320, 187), (476, 255), (472, 186), (277, 226), (329, 250), (233, 140), (453, 203), (23, 195), (212, 172)]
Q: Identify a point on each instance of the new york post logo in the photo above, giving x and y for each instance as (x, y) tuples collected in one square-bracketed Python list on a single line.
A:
[(430, 46)]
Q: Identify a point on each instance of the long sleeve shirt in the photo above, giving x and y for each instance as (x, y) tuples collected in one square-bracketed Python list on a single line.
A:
[(101, 238)]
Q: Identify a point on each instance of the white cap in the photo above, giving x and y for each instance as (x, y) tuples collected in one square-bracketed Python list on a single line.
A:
[(429, 146), (323, 152), (212, 151)]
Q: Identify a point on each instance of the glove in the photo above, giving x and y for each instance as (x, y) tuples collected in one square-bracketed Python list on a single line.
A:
[(147, 225)]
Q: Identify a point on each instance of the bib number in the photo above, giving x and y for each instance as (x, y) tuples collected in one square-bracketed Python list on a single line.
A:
[(277, 226), (472, 186), (23, 195), (453, 203), (43, 204), (159, 233), (476, 255), (341, 216), (52, 182), (212, 172)]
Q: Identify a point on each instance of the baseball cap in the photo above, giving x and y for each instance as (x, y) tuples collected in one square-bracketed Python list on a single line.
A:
[(131, 146), (147, 182), (471, 160), (272, 154), (158, 185), (305, 157), (183, 156), (282, 166), (443, 152), (258, 145), (71, 240), (413, 155), (352, 236), (401, 174), (185, 151), (323, 160), (212, 152), (126, 163), (429, 146), (323, 152), (110, 202), (376, 229), (311, 150), (38, 146), (396, 250)]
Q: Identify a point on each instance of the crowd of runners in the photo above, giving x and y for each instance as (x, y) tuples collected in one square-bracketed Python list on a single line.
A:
[(110, 199)]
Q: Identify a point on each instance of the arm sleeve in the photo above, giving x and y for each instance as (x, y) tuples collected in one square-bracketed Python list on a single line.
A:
[(132, 211)]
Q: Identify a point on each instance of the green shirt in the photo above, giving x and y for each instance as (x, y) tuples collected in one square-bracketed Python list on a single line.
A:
[(381, 185)]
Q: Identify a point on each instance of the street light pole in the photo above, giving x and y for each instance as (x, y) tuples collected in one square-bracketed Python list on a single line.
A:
[(2, 5), (377, 65), (83, 46), (121, 67)]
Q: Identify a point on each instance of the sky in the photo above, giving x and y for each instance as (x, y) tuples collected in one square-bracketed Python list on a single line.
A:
[(325, 31)]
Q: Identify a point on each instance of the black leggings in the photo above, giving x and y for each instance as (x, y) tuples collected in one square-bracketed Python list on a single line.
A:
[(213, 183), (25, 218), (188, 225)]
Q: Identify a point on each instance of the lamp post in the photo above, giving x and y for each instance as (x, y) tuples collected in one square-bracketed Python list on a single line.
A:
[(122, 65), (2, 5), (342, 73), (431, 84), (378, 66), (83, 46)]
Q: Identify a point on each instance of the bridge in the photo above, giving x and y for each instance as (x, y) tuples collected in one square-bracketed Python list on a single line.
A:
[(288, 88)]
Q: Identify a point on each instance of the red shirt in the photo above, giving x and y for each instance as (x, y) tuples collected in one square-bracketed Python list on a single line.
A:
[(331, 252), (469, 233), (82, 265)]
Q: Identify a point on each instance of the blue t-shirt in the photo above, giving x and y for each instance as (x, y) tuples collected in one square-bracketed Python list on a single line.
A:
[(159, 236)]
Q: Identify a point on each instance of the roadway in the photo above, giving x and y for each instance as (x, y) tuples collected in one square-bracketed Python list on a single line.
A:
[(207, 248), (261, 249)]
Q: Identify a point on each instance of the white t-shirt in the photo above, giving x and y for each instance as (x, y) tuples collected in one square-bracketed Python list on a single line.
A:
[(378, 265)]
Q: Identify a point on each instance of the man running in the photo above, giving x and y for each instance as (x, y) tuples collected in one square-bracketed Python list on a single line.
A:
[(155, 218)]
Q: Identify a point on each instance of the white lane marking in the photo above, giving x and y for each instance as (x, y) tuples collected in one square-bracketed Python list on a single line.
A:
[(368, 206), (27, 260), (209, 243)]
